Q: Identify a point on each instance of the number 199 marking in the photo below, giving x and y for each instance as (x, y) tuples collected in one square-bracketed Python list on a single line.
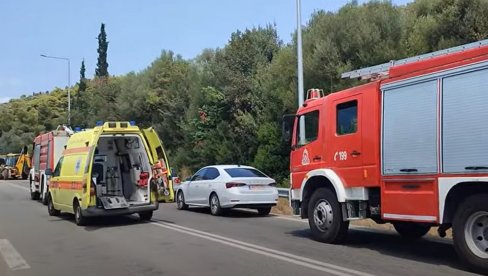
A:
[(340, 155)]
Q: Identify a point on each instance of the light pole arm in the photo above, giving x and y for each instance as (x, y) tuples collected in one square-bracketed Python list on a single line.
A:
[(69, 83)]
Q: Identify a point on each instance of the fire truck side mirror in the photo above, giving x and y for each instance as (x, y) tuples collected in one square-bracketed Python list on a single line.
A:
[(48, 172), (288, 122)]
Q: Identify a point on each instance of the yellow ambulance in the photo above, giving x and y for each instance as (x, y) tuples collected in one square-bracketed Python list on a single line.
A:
[(106, 171)]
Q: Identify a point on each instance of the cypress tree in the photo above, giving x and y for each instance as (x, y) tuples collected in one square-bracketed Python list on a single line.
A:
[(82, 77), (102, 65)]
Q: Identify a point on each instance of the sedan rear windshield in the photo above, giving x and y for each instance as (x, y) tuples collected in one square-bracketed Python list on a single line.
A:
[(244, 172)]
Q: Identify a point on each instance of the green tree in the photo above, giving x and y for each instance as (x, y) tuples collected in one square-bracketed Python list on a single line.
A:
[(82, 85), (102, 65)]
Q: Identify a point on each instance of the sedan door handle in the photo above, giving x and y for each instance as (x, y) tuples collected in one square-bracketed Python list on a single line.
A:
[(317, 158), (355, 153)]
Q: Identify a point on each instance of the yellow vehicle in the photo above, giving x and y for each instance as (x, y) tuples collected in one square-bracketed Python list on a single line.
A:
[(17, 166), (106, 171)]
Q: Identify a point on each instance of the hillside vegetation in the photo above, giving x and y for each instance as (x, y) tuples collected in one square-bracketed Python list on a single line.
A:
[(225, 106)]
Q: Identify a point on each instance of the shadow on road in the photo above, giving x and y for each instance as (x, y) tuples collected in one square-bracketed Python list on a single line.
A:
[(428, 250), (231, 213)]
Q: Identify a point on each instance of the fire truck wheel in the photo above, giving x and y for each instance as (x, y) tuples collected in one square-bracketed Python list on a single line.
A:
[(180, 201), (79, 218), (34, 195), (43, 194), (215, 208), (50, 207), (411, 230), (470, 232), (325, 217)]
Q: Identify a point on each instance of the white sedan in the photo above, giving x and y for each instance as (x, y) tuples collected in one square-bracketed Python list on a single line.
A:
[(228, 186)]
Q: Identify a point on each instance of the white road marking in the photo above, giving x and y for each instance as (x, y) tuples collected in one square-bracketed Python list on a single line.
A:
[(283, 256), (11, 256), (17, 186)]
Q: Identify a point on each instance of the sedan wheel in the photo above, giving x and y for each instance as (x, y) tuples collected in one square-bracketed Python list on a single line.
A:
[(180, 201), (215, 208)]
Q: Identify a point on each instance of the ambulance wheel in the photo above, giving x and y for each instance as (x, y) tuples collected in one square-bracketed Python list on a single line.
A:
[(180, 201), (33, 195), (146, 216), (215, 208), (470, 232), (411, 230), (50, 207), (24, 176), (80, 220), (325, 217)]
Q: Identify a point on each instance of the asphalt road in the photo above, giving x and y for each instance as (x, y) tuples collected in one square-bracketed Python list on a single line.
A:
[(195, 243)]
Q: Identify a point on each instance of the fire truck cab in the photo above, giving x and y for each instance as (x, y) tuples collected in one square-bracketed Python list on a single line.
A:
[(47, 148), (408, 148)]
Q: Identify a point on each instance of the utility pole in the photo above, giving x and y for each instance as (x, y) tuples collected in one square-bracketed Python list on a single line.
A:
[(300, 70)]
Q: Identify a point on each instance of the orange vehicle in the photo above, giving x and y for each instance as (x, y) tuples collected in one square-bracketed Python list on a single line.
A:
[(47, 149), (407, 148)]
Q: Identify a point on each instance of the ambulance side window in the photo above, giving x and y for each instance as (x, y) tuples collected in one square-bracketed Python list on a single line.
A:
[(310, 121), (57, 171)]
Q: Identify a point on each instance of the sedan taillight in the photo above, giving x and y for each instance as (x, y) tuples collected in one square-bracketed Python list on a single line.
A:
[(229, 185)]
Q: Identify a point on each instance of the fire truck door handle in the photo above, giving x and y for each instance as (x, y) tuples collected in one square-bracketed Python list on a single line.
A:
[(409, 170), (317, 158), (355, 153)]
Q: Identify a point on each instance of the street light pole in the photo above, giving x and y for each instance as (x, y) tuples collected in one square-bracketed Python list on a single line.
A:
[(69, 83), (300, 70)]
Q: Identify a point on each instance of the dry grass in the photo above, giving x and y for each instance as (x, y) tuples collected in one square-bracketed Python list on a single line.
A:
[(283, 208)]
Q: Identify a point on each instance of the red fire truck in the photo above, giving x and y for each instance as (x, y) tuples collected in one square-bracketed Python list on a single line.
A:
[(47, 149), (410, 148)]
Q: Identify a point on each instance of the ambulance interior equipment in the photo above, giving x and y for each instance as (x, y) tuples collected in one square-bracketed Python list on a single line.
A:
[(121, 172)]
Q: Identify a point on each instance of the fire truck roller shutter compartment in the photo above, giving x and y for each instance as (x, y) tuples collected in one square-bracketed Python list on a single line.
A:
[(465, 111), (410, 148), (410, 129)]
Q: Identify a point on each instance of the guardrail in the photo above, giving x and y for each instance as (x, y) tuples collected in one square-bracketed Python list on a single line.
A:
[(284, 192)]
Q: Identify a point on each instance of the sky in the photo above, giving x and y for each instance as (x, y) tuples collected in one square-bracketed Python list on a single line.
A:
[(137, 32)]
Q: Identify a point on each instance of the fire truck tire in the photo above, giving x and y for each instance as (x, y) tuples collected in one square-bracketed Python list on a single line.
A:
[(50, 207), (325, 217), (411, 230), (80, 220), (470, 232), (44, 193), (180, 201), (33, 195)]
